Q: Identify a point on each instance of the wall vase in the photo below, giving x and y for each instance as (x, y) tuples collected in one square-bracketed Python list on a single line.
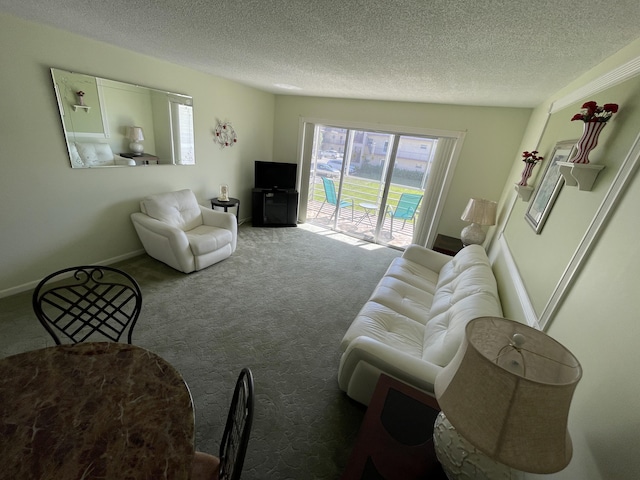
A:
[(588, 141), (526, 173)]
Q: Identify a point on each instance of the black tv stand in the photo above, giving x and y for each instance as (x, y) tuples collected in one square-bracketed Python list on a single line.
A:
[(273, 207)]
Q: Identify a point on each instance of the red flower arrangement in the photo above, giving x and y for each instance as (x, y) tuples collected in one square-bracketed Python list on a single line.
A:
[(531, 157), (591, 112)]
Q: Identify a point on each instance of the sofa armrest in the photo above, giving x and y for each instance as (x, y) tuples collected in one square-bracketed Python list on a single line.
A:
[(427, 258), (177, 236), (225, 220), (118, 160), (383, 358), (215, 218), (164, 242)]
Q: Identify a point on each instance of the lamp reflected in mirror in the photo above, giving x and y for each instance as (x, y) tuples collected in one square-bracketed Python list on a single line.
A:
[(136, 135), (111, 119)]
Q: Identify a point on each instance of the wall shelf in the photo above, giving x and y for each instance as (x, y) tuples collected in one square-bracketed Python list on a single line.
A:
[(582, 175), (524, 192), (86, 108)]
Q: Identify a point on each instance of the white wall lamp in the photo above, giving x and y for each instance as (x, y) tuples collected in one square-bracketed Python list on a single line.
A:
[(479, 212), (505, 401), (136, 135)]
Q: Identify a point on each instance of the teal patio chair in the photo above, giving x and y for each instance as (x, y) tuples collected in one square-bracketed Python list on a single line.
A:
[(332, 199), (406, 208)]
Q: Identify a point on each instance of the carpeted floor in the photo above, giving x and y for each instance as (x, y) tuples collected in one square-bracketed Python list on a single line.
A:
[(279, 305)]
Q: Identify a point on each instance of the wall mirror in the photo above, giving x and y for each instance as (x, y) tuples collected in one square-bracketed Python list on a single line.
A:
[(108, 123)]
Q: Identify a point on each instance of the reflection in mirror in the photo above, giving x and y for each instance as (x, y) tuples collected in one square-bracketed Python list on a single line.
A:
[(108, 123)]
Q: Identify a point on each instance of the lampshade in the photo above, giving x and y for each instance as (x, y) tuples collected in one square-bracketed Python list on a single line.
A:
[(135, 134), (480, 211), (508, 391)]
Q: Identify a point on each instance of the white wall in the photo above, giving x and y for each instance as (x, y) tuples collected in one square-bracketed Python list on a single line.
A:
[(53, 216)]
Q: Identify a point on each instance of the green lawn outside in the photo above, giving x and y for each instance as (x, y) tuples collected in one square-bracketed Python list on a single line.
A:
[(362, 190)]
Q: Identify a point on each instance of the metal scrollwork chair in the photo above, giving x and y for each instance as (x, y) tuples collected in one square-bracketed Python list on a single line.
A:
[(79, 303), (233, 448)]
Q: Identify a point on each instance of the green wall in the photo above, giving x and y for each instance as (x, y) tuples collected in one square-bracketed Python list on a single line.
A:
[(54, 216), (598, 317), (490, 146)]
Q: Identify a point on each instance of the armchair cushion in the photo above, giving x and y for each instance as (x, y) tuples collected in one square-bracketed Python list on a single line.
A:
[(205, 239)]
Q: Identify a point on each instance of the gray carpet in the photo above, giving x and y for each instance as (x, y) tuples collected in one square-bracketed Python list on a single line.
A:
[(279, 305)]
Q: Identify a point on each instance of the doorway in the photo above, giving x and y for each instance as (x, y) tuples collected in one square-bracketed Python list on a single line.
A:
[(369, 184)]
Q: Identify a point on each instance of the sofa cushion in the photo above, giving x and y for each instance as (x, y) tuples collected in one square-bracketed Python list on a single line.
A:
[(95, 154), (465, 258), (468, 293), (179, 209), (470, 267), (387, 326), (413, 273), (403, 298), (205, 239), (444, 333)]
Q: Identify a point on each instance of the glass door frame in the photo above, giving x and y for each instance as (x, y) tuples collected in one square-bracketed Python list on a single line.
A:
[(433, 201)]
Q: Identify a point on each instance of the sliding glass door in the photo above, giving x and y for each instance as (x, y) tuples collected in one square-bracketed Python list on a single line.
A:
[(368, 184)]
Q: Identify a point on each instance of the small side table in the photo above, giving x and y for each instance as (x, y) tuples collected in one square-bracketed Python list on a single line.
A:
[(369, 209), (395, 441), (232, 202), (447, 245), (142, 159)]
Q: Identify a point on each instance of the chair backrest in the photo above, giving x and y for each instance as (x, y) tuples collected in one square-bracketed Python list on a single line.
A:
[(238, 428), (407, 205), (179, 209), (329, 190), (86, 302)]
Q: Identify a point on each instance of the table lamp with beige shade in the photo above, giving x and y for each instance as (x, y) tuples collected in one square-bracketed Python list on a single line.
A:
[(505, 401), (479, 212)]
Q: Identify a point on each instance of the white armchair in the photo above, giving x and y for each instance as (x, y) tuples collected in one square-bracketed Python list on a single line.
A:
[(176, 230)]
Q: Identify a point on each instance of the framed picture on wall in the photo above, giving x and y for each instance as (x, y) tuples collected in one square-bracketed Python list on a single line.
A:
[(550, 186)]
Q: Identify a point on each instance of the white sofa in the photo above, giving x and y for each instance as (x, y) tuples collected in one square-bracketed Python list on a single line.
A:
[(413, 323), (93, 154), (176, 230)]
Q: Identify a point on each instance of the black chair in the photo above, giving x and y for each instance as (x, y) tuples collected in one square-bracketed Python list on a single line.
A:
[(228, 466), (86, 302)]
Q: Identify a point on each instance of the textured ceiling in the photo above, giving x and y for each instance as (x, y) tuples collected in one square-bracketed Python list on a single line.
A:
[(467, 52)]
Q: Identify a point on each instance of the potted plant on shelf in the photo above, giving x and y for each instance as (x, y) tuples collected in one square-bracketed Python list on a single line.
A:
[(595, 118), (530, 160)]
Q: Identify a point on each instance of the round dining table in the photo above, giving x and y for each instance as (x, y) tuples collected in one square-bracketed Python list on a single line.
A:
[(94, 410)]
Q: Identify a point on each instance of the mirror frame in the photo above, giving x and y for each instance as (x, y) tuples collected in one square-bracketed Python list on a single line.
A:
[(97, 115)]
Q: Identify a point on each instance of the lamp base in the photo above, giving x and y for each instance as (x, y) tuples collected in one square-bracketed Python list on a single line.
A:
[(472, 235), (136, 148), (461, 460)]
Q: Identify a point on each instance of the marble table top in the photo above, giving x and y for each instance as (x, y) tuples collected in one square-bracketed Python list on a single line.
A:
[(94, 410)]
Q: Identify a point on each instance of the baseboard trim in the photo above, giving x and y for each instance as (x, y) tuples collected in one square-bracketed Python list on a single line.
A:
[(31, 285)]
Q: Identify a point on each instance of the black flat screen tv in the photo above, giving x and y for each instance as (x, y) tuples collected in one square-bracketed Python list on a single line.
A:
[(275, 175)]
